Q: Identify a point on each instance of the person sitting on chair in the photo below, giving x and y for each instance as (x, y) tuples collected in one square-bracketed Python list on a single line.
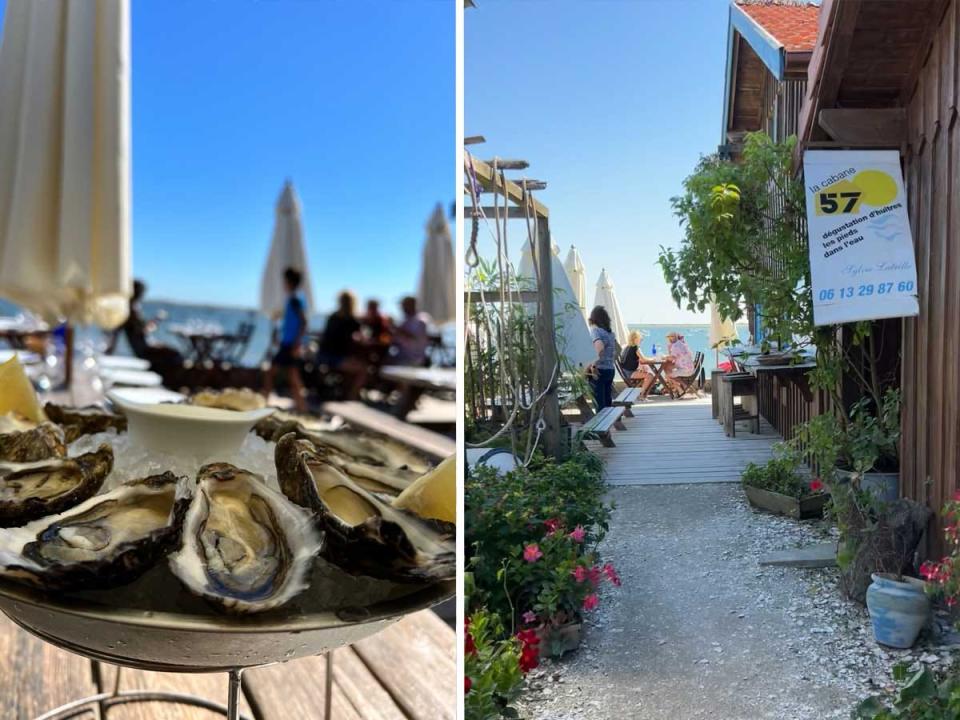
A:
[(679, 361), (292, 329), (632, 361), (137, 329), (410, 338), (376, 322), (340, 345)]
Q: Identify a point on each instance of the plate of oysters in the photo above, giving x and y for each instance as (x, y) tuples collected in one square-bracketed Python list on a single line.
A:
[(303, 537)]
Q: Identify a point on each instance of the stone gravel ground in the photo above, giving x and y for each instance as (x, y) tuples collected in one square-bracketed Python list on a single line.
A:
[(700, 630)]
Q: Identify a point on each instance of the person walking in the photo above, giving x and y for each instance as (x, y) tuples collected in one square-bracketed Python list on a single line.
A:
[(601, 370), (292, 330)]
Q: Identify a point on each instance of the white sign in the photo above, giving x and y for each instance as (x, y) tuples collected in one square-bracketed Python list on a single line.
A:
[(861, 252)]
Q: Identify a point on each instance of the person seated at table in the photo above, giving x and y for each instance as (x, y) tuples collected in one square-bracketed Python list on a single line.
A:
[(375, 322), (632, 360), (679, 360), (292, 329), (411, 338), (341, 344), (600, 372), (136, 329)]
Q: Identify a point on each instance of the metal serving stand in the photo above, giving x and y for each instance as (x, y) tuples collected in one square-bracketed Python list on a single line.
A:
[(186, 643)]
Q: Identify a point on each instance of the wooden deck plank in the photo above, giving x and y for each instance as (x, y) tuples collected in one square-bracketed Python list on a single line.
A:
[(210, 686), (297, 689), (36, 677), (679, 443), (414, 660)]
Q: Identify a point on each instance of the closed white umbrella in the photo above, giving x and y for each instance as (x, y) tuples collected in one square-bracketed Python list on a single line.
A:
[(65, 159), (607, 297), (578, 277), (286, 251), (573, 335), (722, 330), (436, 295)]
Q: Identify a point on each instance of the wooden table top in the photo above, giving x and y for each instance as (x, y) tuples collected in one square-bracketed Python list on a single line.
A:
[(406, 672)]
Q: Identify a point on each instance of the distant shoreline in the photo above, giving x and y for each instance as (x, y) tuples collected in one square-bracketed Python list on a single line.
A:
[(687, 324)]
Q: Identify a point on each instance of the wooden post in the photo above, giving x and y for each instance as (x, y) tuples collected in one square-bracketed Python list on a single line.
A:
[(546, 340)]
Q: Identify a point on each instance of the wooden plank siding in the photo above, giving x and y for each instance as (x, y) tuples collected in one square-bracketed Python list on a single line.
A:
[(931, 341)]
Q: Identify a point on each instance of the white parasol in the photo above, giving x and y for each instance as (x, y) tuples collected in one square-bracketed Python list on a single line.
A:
[(437, 290), (286, 251), (65, 159), (722, 330), (578, 277), (607, 297)]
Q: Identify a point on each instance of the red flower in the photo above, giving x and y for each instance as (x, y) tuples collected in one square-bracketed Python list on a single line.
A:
[(578, 534), (529, 650), (580, 573), (611, 574), (552, 525), (469, 647), (816, 485), (590, 602), (467, 684), (928, 571)]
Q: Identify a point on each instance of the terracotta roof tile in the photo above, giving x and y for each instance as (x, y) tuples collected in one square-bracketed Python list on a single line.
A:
[(794, 25)]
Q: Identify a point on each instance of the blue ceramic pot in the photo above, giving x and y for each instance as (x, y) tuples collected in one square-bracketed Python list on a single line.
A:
[(899, 609)]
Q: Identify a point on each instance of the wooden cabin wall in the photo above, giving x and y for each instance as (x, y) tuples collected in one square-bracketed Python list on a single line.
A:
[(930, 445)]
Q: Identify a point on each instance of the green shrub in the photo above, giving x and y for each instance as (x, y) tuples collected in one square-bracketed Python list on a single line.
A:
[(781, 474), (492, 672), (921, 697)]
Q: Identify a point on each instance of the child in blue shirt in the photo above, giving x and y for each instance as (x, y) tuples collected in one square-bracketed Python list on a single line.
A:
[(292, 329)]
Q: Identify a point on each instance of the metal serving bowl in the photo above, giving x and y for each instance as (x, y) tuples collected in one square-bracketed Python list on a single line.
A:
[(201, 642)]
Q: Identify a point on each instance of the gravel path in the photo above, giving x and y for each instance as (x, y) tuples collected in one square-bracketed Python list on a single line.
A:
[(700, 630)]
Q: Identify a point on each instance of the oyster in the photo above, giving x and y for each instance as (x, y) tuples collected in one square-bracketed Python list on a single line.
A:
[(108, 540), (245, 547), (30, 490), (364, 535), (84, 421), (241, 399), (15, 422), (38, 443)]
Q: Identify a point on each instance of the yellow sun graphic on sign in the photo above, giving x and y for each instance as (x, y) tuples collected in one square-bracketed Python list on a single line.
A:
[(878, 187), (873, 187)]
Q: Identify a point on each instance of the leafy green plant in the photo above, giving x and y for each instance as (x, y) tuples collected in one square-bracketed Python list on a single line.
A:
[(492, 674), (781, 474), (922, 696)]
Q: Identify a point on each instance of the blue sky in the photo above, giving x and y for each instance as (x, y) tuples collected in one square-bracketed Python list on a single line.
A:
[(612, 102), (354, 100)]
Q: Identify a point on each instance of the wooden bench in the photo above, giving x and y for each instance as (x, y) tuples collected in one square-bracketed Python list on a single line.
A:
[(599, 425), (626, 399), (406, 672)]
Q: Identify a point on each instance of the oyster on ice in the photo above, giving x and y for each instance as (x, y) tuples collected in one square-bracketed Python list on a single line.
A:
[(30, 490), (364, 535), (46, 440), (108, 540), (84, 421), (245, 547), (240, 399)]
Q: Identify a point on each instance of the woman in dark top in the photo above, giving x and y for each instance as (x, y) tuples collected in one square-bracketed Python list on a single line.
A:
[(601, 370), (340, 345)]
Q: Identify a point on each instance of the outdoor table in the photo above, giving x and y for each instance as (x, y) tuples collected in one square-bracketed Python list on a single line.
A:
[(131, 378), (202, 343), (415, 380), (120, 362), (656, 365)]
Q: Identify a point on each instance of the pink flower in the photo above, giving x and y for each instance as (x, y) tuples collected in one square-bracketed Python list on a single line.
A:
[(578, 534), (552, 525), (611, 574), (928, 571), (816, 485), (590, 602), (529, 617), (531, 553), (594, 575), (580, 573)]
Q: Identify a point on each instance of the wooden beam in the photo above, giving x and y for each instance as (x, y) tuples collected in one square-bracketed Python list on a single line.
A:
[(474, 140), (493, 182), (546, 332), (523, 296), (877, 127), (504, 164), (513, 212)]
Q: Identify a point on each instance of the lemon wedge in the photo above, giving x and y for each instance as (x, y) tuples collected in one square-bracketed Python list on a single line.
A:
[(434, 494), (17, 394)]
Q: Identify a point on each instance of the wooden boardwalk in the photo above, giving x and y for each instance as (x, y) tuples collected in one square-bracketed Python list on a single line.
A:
[(407, 672), (670, 442)]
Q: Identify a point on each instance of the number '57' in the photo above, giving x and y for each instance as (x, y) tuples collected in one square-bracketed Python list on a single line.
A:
[(830, 205)]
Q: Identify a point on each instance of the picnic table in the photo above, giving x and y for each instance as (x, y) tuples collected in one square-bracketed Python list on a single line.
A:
[(406, 672), (656, 365), (414, 381)]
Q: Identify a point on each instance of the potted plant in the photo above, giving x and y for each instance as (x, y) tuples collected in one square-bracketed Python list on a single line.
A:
[(780, 487)]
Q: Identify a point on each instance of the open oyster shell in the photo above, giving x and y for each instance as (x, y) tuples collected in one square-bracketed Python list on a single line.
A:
[(245, 547), (30, 490), (46, 440), (241, 399), (364, 534), (108, 540), (84, 421)]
